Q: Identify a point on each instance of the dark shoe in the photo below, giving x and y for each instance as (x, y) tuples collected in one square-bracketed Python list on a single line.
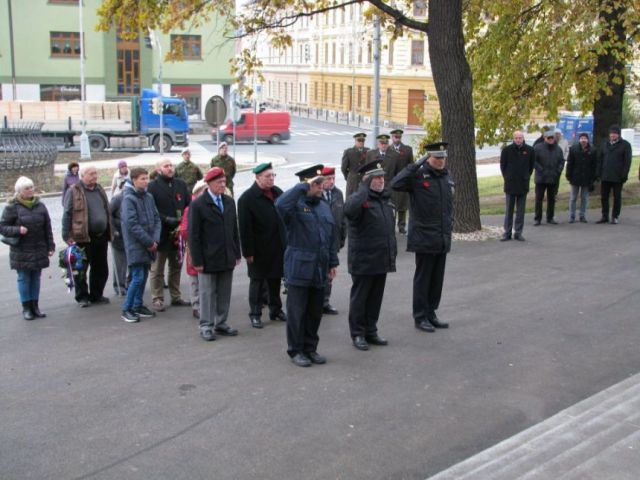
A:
[(196, 313), (376, 340), (180, 303), (425, 326), (435, 321), (603, 220), (583, 220), (572, 220), (316, 358), (505, 237), (402, 230), (164, 285), (278, 316), (536, 223), (329, 310), (83, 302), (256, 322), (100, 301), (226, 330), (207, 335), (301, 360), (158, 306), (615, 220), (518, 237), (130, 316), (36, 310), (27, 314), (360, 343), (551, 221), (144, 312)]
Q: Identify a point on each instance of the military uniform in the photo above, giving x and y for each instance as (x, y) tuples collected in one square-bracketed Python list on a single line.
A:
[(189, 172), (389, 160), (228, 164), (352, 159), (401, 199)]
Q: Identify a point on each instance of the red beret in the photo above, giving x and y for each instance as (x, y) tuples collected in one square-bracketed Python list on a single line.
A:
[(328, 171), (215, 172)]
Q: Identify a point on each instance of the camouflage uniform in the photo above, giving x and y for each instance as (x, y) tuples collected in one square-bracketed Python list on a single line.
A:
[(228, 164), (189, 172)]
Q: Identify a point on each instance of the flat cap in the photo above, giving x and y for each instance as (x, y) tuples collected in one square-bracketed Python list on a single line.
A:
[(397, 131), (373, 169), (383, 136), (360, 136), (437, 150), (310, 172)]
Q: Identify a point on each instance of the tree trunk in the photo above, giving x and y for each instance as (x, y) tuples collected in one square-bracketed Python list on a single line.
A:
[(453, 82), (607, 109)]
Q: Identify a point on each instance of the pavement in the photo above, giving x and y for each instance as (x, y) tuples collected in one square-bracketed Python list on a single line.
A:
[(536, 328)]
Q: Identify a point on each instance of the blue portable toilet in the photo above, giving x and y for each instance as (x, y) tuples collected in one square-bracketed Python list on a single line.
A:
[(572, 125)]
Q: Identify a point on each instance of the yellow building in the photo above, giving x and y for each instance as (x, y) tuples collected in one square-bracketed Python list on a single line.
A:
[(329, 71)]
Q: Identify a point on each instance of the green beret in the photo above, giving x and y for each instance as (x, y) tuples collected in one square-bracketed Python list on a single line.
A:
[(262, 167)]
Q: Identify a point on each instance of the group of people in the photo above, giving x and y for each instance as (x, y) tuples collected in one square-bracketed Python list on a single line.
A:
[(585, 165)]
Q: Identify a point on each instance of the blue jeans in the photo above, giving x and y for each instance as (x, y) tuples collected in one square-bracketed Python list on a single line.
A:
[(135, 291), (29, 285), (584, 201)]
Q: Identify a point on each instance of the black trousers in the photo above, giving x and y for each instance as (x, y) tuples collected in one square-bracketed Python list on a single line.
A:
[(605, 191), (518, 202), (256, 295), (364, 303), (402, 218), (552, 190), (427, 284), (304, 312), (97, 270)]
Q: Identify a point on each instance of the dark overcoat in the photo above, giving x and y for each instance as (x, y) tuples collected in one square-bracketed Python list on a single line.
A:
[(172, 197), (614, 161), (581, 165), (352, 159), (516, 165), (337, 209), (262, 234), (549, 163)]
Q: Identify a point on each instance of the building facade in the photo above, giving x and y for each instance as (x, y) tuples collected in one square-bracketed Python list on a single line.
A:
[(40, 53), (329, 69)]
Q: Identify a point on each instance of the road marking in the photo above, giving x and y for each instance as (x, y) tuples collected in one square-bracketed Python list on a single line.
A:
[(300, 153), (294, 165)]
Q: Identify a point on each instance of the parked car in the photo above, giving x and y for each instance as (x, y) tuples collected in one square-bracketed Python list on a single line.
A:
[(272, 127), (572, 125)]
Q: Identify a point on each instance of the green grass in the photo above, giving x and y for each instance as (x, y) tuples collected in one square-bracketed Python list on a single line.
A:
[(492, 195)]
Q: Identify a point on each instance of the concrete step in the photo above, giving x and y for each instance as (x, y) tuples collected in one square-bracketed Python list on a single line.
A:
[(595, 435)]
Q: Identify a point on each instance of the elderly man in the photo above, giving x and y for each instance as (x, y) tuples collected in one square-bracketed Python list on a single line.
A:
[(372, 254), (405, 157), (549, 163), (171, 197), (86, 221), (187, 170), (516, 164), (333, 196), (352, 159), (310, 260), (262, 239), (430, 224), (214, 245), (614, 162)]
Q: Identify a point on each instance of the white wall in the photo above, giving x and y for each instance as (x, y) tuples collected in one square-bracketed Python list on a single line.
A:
[(27, 91), (95, 93), (208, 91)]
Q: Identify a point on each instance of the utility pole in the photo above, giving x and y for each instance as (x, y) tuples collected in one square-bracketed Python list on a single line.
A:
[(160, 103), (376, 78), (85, 150), (13, 55)]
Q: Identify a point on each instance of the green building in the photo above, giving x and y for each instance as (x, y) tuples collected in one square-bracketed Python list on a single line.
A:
[(40, 57)]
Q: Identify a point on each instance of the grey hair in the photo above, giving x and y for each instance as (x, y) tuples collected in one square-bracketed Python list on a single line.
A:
[(84, 169), (161, 161), (22, 183)]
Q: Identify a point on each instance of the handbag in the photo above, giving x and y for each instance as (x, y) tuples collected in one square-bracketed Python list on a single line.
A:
[(11, 241)]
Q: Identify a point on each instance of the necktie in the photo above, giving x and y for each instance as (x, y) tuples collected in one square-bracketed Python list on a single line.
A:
[(328, 193), (219, 203)]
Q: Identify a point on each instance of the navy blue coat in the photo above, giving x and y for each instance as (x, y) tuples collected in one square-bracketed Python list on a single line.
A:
[(312, 239), (141, 225)]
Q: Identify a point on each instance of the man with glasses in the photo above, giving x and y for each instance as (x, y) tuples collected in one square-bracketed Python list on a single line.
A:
[(549, 163), (262, 238), (352, 159)]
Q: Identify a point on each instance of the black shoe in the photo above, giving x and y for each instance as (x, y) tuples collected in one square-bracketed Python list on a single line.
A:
[(130, 316), (27, 313), (144, 312), (518, 237), (255, 321), (435, 321), (551, 221), (615, 220), (301, 360), (207, 335), (329, 310), (83, 302), (505, 237), (179, 303), (402, 230), (583, 220), (36, 310), (278, 316), (376, 340), (164, 285), (603, 220), (100, 301), (316, 358), (360, 343), (536, 223), (226, 330), (425, 326)]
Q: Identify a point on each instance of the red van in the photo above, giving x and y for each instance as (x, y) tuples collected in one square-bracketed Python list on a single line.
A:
[(272, 127)]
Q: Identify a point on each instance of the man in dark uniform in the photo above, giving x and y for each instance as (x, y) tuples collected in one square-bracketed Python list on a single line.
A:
[(352, 159), (401, 199), (333, 196), (386, 156), (372, 254), (262, 238), (614, 163), (430, 224), (310, 260)]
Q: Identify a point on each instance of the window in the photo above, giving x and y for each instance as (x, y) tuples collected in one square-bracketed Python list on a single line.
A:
[(128, 61), (359, 54), (417, 52), (341, 94), (315, 91), (326, 53), (191, 46), (64, 44), (326, 93), (419, 8), (359, 96), (342, 54), (333, 53), (391, 44), (55, 93), (191, 95), (306, 99), (333, 93), (389, 101), (369, 98), (369, 52)]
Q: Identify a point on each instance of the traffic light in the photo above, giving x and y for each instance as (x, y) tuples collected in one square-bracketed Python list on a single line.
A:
[(155, 105)]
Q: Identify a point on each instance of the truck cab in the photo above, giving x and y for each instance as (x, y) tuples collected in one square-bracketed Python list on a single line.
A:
[(175, 120)]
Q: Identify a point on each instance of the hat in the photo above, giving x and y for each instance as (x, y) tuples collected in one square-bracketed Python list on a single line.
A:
[(262, 167), (222, 144), (360, 136), (310, 172), (200, 184), (185, 150), (122, 163), (328, 171), (383, 136), (614, 129), (549, 133), (437, 150), (373, 169), (397, 131), (215, 172)]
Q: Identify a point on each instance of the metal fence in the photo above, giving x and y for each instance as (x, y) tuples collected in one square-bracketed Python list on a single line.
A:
[(22, 146)]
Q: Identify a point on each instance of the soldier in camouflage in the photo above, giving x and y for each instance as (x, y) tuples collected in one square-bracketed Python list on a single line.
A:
[(187, 170), (227, 163)]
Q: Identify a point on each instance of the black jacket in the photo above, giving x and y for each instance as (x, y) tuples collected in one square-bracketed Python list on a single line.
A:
[(614, 161), (262, 234), (549, 163), (214, 242), (172, 197), (337, 209), (581, 165), (116, 222), (372, 238), (32, 252), (516, 165), (430, 206)]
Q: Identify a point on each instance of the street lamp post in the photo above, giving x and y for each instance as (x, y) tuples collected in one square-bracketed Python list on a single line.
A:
[(85, 151), (376, 78), (160, 103)]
